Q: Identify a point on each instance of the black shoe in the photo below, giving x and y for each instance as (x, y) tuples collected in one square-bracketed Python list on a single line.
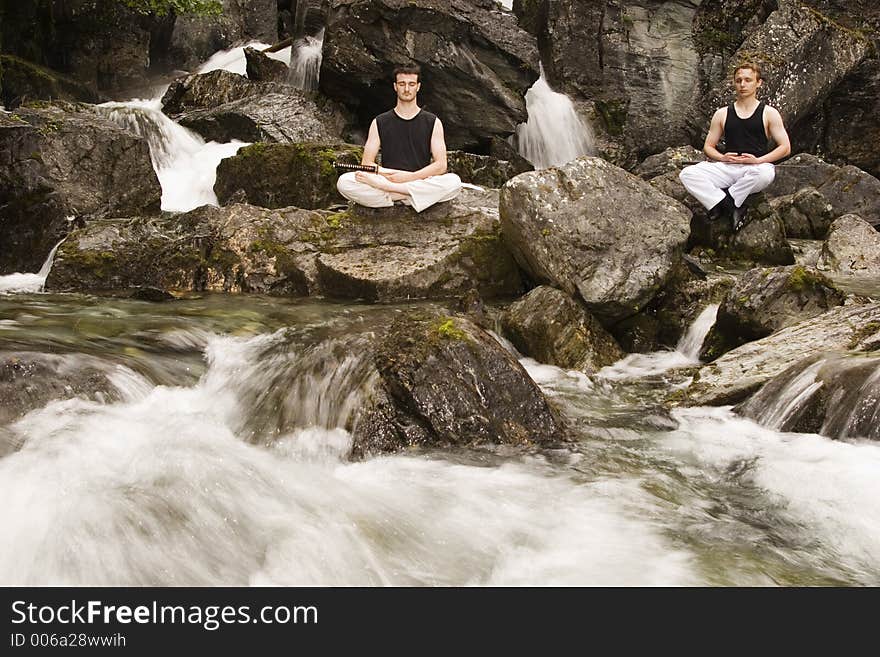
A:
[(724, 205), (740, 215)]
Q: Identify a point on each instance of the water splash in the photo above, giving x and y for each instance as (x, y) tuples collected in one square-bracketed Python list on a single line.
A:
[(185, 164), (29, 283), (686, 353), (234, 61), (554, 132), (305, 62)]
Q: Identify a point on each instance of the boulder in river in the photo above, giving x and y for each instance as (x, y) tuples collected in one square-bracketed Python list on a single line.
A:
[(766, 300), (740, 372), (262, 68), (477, 63), (61, 161), (852, 247), (389, 254), (594, 230), (446, 382), (551, 327)]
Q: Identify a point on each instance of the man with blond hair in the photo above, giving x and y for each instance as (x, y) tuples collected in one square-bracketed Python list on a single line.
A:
[(723, 183)]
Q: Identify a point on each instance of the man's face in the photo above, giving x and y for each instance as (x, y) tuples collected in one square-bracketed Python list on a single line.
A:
[(407, 86), (746, 82)]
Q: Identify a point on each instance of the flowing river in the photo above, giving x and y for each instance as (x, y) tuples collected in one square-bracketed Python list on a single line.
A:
[(207, 446)]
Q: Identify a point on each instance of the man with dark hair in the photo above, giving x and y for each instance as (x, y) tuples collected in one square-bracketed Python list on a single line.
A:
[(413, 149), (746, 166)]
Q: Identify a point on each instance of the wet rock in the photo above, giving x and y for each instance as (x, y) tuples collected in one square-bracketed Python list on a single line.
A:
[(477, 62), (760, 241), (805, 56), (446, 382), (262, 68), (766, 300), (213, 89), (63, 161), (30, 380), (281, 175), (852, 247), (835, 395), (551, 327), (594, 230), (806, 214), (391, 254), (673, 159), (485, 170), (195, 38), (24, 82), (152, 294), (739, 373)]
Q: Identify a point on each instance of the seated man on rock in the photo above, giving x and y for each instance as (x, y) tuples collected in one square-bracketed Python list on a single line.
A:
[(746, 166), (413, 148)]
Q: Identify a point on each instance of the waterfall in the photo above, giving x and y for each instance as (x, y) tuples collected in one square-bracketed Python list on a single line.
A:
[(184, 163), (29, 283), (233, 60), (686, 353), (554, 133), (305, 62)]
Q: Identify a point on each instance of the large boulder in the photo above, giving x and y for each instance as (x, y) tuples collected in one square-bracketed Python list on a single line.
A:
[(614, 53), (446, 382), (212, 89), (852, 247), (476, 62), (805, 214), (798, 172), (262, 68), (852, 191), (384, 255), (594, 230), (673, 159), (766, 300), (805, 56), (551, 327), (281, 175), (195, 38), (61, 162), (835, 395), (739, 373), (485, 170), (24, 81)]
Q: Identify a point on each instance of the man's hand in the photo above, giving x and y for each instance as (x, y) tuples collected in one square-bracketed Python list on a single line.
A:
[(741, 158), (400, 176)]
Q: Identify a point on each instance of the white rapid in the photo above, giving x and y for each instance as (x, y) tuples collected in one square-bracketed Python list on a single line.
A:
[(168, 487), (305, 62), (29, 283), (233, 60), (686, 353), (554, 132)]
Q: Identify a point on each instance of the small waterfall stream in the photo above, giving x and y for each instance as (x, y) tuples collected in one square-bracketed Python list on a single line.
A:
[(554, 132), (305, 62), (29, 283)]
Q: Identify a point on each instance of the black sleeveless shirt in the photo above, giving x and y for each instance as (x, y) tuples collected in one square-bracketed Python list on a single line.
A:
[(405, 143), (745, 135)]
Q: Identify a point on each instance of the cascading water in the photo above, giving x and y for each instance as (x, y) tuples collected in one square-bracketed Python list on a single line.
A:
[(184, 163), (233, 60), (29, 283), (554, 132), (305, 62), (686, 353)]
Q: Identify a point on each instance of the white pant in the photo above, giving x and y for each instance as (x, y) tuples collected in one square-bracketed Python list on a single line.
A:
[(424, 193), (707, 181)]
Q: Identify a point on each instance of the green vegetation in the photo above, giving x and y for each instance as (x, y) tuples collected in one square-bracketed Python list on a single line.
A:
[(801, 279), (163, 7), (447, 329)]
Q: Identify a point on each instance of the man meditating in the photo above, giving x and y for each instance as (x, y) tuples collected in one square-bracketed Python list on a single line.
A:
[(413, 148), (746, 166)]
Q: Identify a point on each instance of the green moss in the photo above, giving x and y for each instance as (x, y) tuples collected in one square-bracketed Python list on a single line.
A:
[(801, 279), (613, 114), (446, 329), (865, 331)]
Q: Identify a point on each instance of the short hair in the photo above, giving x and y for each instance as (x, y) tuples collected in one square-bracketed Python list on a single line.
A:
[(407, 69), (755, 66)]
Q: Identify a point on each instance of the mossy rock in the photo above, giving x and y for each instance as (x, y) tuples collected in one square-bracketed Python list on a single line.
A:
[(25, 81), (284, 175)]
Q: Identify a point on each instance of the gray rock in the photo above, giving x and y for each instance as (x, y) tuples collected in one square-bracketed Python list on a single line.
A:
[(806, 214), (213, 89), (852, 247), (764, 301), (739, 373), (800, 171), (281, 175), (65, 161), (852, 191), (551, 327), (673, 159), (805, 56), (262, 68), (24, 82), (834, 395), (446, 382), (485, 170), (594, 230), (385, 255), (477, 62)]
